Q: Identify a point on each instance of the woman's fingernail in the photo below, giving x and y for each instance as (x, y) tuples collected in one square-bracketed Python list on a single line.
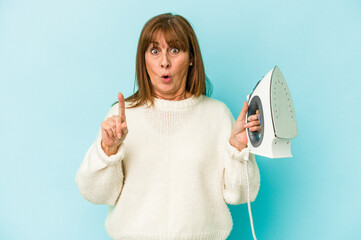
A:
[(119, 135)]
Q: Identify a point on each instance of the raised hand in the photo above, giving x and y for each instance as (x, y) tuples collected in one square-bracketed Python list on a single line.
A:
[(238, 137), (114, 129)]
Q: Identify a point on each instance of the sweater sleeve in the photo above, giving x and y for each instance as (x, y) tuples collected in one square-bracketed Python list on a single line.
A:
[(234, 180), (100, 177)]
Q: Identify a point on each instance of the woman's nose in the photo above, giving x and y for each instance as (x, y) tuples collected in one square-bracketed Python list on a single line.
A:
[(165, 63)]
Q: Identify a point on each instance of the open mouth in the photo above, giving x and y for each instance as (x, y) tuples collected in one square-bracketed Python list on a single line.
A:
[(166, 78)]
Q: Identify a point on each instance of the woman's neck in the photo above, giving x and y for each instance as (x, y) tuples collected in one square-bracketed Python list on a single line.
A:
[(175, 97)]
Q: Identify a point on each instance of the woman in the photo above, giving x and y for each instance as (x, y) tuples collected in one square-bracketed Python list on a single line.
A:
[(172, 175)]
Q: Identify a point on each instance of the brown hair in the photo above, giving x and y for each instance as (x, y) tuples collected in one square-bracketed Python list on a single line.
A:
[(178, 33)]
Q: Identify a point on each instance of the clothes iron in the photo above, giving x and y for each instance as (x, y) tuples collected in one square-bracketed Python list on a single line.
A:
[(272, 98)]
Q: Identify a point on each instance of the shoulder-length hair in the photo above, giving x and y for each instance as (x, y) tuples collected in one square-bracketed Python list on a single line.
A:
[(178, 33)]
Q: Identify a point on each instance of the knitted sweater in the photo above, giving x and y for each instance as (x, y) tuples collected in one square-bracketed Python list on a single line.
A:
[(173, 175)]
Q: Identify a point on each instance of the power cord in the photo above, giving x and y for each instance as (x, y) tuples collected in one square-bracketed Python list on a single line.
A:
[(246, 160)]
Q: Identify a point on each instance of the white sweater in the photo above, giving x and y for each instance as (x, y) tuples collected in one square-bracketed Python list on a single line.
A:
[(173, 174)]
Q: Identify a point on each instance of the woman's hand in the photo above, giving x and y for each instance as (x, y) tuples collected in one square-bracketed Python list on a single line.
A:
[(114, 129), (238, 137)]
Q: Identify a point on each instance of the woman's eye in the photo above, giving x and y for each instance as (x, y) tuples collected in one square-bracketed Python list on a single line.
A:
[(175, 50), (154, 51)]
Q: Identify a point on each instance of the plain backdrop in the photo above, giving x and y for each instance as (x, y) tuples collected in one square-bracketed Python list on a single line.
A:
[(62, 64)]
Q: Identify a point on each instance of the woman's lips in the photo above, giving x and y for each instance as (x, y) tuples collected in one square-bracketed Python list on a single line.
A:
[(166, 78)]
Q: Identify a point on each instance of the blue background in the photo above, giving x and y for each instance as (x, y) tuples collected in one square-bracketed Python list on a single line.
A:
[(63, 62)]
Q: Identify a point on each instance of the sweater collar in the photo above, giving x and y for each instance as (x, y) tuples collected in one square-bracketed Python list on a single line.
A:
[(163, 104)]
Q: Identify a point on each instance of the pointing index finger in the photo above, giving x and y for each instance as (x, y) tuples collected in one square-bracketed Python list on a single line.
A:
[(121, 106)]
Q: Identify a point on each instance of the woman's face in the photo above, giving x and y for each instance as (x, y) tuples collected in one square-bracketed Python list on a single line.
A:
[(167, 68)]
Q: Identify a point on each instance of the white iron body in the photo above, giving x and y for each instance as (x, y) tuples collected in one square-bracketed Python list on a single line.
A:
[(278, 120)]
